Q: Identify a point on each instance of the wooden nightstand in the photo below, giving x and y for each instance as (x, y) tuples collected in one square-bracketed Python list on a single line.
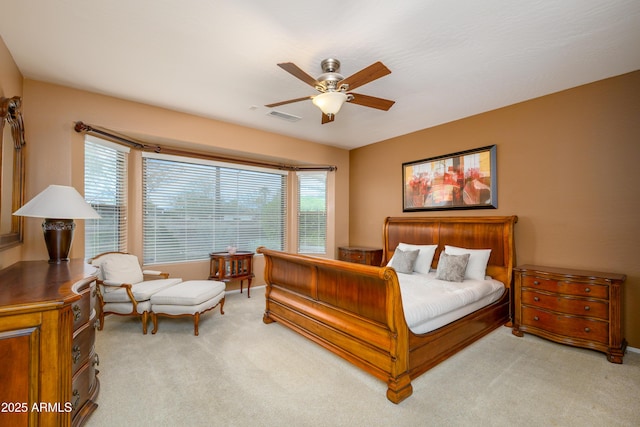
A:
[(574, 307), (360, 255)]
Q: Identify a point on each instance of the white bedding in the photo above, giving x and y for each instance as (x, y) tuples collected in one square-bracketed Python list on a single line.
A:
[(430, 303)]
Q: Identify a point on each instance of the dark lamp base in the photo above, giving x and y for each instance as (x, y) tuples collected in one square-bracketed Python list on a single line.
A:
[(58, 235)]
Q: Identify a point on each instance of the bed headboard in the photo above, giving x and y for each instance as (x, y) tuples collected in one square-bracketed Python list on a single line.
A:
[(488, 232)]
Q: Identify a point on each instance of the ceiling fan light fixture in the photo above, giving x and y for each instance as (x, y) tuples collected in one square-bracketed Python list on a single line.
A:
[(334, 87), (330, 102)]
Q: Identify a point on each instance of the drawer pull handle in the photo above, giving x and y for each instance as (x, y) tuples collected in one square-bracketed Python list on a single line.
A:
[(76, 354), (76, 311), (536, 299), (587, 308), (535, 282), (587, 330), (587, 289), (536, 318), (76, 401)]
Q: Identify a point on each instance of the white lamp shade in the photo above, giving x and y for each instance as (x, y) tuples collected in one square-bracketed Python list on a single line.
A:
[(330, 102), (59, 202)]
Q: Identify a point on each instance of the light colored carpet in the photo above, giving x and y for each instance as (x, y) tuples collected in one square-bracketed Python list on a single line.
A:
[(241, 372)]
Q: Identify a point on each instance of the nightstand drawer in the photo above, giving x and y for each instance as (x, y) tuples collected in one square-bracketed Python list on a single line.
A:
[(351, 256), (577, 306), (576, 327), (565, 287)]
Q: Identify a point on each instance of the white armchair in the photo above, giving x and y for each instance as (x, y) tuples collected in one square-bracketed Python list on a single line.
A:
[(124, 289)]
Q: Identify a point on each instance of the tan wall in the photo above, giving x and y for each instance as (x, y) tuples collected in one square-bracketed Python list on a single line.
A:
[(55, 155), (567, 166)]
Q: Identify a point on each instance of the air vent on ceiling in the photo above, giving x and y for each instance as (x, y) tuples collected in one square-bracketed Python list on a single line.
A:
[(283, 116)]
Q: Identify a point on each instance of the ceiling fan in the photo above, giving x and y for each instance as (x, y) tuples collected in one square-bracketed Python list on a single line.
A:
[(335, 90)]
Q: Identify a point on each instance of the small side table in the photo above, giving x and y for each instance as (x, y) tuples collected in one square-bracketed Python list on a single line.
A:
[(360, 255), (226, 267)]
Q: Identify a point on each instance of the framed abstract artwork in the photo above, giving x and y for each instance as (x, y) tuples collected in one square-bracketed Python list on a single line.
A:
[(463, 180)]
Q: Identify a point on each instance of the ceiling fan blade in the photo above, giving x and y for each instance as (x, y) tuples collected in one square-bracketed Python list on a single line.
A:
[(328, 118), (371, 101), (295, 71), (290, 101), (366, 75)]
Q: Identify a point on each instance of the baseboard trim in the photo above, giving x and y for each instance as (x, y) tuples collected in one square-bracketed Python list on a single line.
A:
[(633, 349)]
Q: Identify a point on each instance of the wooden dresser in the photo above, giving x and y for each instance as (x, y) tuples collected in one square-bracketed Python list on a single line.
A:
[(360, 255), (48, 370), (575, 307)]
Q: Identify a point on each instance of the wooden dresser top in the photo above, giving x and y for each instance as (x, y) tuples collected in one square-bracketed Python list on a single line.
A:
[(38, 282)]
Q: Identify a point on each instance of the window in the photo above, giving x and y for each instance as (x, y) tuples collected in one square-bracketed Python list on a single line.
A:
[(312, 212), (193, 207), (105, 188)]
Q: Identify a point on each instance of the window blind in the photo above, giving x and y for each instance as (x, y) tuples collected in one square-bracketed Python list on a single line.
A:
[(105, 188), (312, 212), (194, 207)]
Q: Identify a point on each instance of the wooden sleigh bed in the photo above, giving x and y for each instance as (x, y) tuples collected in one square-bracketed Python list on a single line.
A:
[(356, 311)]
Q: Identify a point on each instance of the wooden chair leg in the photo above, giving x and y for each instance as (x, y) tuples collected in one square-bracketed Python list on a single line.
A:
[(196, 320), (221, 305), (145, 319), (154, 319)]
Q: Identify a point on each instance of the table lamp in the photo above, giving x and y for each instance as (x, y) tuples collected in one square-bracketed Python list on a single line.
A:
[(59, 205)]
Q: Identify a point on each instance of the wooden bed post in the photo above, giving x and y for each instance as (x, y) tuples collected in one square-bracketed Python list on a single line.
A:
[(267, 279), (399, 382)]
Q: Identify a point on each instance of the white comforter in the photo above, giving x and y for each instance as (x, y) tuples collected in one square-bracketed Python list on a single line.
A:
[(430, 303)]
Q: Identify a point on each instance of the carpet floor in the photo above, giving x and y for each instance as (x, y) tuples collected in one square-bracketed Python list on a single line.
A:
[(242, 372)]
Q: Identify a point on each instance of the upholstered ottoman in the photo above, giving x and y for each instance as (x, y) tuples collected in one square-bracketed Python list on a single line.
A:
[(190, 298)]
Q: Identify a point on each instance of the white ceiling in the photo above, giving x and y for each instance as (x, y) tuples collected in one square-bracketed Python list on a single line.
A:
[(449, 59)]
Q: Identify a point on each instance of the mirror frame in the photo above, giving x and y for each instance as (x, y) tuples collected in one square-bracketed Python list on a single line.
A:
[(11, 112)]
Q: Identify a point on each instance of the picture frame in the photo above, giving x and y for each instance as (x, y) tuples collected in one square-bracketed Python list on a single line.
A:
[(462, 180)]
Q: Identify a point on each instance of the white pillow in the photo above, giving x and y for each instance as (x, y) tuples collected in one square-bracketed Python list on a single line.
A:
[(425, 256), (122, 269), (477, 266)]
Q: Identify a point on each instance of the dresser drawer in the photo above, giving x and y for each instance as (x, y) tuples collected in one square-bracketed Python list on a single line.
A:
[(84, 385), (567, 288), (577, 306), (81, 309), (93, 297), (83, 343), (576, 327)]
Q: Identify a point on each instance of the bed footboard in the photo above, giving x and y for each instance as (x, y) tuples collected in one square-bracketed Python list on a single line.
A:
[(353, 310)]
